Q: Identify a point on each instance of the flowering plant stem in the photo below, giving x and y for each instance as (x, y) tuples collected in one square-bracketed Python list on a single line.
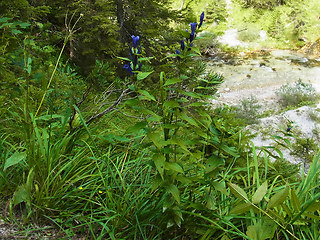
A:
[(70, 31)]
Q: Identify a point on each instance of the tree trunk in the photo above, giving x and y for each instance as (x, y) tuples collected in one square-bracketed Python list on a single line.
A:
[(120, 19)]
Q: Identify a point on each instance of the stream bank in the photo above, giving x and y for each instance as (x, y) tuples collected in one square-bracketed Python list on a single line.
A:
[(260, 74)]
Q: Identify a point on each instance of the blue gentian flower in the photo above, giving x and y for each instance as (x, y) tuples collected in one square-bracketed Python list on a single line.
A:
[(139, 49), (135, 41), (128, 68), (178, 52), (182, 45), (201, 19), (191, 45), (193, 27)]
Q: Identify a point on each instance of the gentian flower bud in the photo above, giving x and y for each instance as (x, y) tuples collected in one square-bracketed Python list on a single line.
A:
[(135, 41), (139, 49), (201, 19), (193, 28), (182, 45), (191, 37)]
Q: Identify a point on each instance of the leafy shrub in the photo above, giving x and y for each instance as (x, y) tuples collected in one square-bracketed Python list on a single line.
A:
[(292, 95), (250, 34), (248, 110)]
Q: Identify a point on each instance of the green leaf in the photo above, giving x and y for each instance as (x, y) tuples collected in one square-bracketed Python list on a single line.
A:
[(309, 215), (147, 95), (238, 191), (295, 201), (173, 189), (278, 198), (156, 183), (190, 120), (159, 161), (252, 232), (183, 77), (259, 194), (172, 81), (16, 31), (167, 203), (24, 25), (21, 195), (211, 203), (14, 159), (155, 137), (241, 208), (213, 162), (178, 142), (145, 59), (183, 180), (171, 104), (262, 230), (221, 187), (143, 75), (230, 150), (315, 206), (185, 34), (4, 19), (137, 127), (173, 166), (126, 59), (192, 94)]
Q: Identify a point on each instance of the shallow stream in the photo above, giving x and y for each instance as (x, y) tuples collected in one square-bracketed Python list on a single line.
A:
[(260, 73)]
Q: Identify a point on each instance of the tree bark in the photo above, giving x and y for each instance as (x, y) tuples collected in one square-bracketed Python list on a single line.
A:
[(120, 20)]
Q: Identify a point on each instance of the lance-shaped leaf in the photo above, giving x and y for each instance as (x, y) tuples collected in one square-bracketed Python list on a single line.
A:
[(241, 208), (171, 81), (173, 189), (238, 191), (278, 198), (173, 166), (147, 95), (137, 127), (159, 161), (259, 194), (14, 159), (295, 201), (221, 187), (143, 75)]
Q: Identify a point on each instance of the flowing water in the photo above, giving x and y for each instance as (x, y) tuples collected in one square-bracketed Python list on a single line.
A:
[(260, 73)]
